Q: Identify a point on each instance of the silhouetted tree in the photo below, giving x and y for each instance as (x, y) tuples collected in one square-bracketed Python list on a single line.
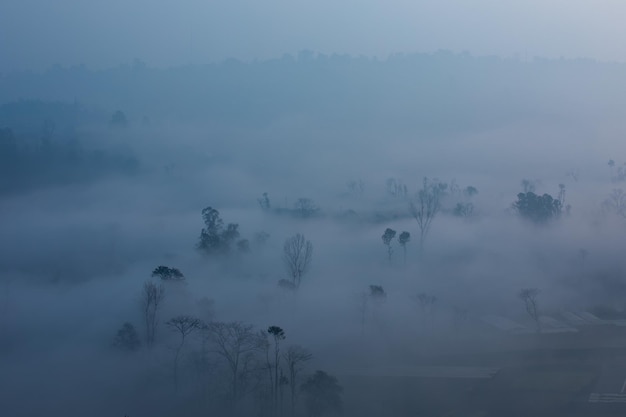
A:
[(151, 299), (615, 203), (184, 325), (426, 206), (403, 239), (127, 338), (305, 207), (322, 394), (295, 357), (168, 274), (529, 297), (297, 254), (387, 239), (213, 237), (538, 209), (463, 209), (277, 334), (236, 343)]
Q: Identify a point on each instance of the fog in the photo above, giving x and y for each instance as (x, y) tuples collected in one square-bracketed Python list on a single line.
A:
[(36, 34), (154, 185)]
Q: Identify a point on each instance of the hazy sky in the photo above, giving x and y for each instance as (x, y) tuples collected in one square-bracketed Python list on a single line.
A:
[(39, 33)]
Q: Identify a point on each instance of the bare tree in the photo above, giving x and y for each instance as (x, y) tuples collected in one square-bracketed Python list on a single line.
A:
[(529, 297), (295, 357), (426, 206), (387, 239), (305, 207), (184, 325), (236, 343), (615, 202), (297, 253), (151, 298)]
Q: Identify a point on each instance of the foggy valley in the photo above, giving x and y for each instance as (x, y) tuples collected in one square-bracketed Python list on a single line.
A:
[(318, 234)]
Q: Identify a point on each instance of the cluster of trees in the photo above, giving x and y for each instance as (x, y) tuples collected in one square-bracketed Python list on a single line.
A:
[(240, 366), (403, 239), (41, 159), (215, 239)]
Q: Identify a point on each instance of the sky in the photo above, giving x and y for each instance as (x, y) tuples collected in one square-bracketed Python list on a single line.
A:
[(37, 34)]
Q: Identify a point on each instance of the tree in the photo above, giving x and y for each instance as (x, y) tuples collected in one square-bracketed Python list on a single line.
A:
[(264, 202), (615, 203), (127, 338), (403, 239), (295, 357), (529, 297), (184, 325), (214, 238), (323, 394), (426, 206), (463, 210), (387, 238), (151, 298), (277, 334), (426, 303), (297, 253), (168, 274), (538, 209), (305, 207), (236, 343), (119, 119)]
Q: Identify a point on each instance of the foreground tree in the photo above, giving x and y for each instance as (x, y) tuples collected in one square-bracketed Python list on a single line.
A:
[(184, 325), (322, 394), (538, 209), (297, 254), (237, 344), (426, 206), (151, 299), (529, 297), (277, 334), (295, 358), (387, 239)]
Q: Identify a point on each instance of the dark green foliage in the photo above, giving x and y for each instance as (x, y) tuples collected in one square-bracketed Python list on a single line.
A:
[(538, 209), (322, 394), (214, 238), (127, 338), (168, 274)]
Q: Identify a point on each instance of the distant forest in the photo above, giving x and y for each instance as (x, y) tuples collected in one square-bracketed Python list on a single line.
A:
[(423, 92)]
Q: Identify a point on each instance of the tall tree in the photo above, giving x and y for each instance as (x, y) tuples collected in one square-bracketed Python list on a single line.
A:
[(277, 334), (236, 343), (151, 299), (297, 254), (295, 357), (403, 239), (387, 239), (184, 325), (168, 274), (529, 297), (426, 206)]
